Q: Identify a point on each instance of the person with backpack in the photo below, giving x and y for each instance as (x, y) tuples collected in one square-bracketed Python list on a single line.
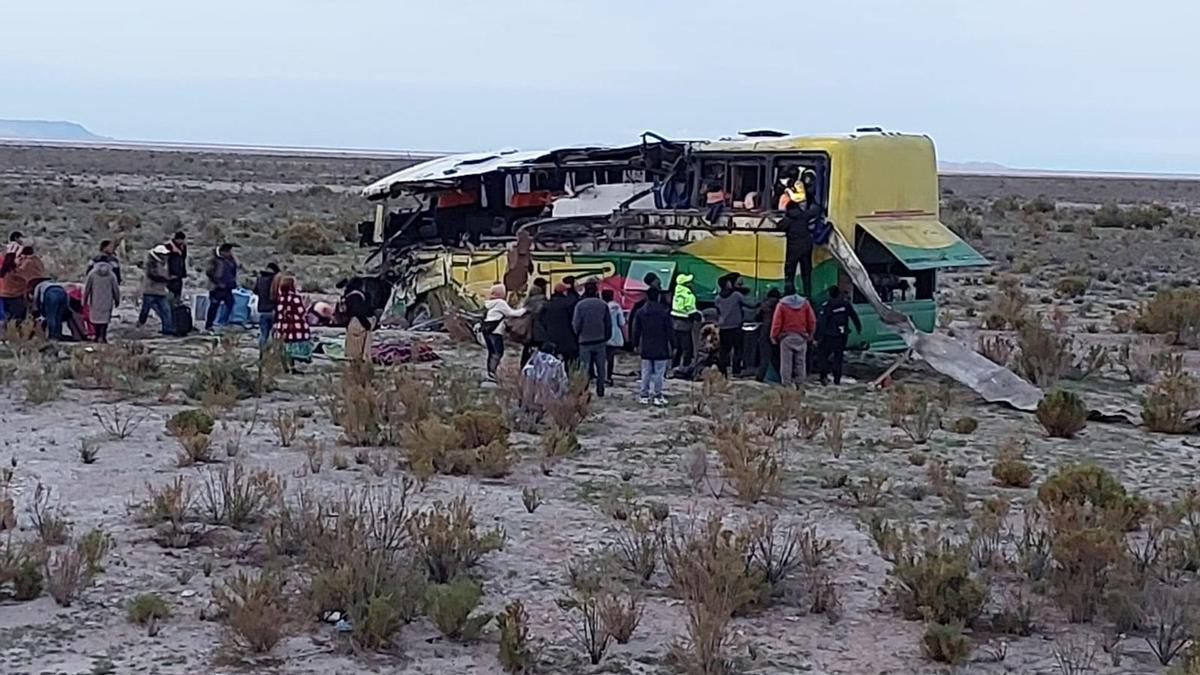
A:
[(833, 329), (792, 328), (222, 274), (653, 329)]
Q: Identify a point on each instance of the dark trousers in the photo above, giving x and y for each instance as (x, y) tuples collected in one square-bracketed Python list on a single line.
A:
[(595, 361), (802, 257), (612, 361), (161, 307), (14, 308), (831, 354), (682, 348), (101, 332), (730, 354), (54, 311), (216, 298), (527, 351), (495, 349)]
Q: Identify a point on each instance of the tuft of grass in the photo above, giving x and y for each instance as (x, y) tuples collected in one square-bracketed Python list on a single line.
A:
[(447, 541), (253, 609), (146, 607), (449, 607), (1062, 414), (516, 653)]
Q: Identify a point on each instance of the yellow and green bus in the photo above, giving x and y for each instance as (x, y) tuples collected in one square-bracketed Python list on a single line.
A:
[(616, 214)]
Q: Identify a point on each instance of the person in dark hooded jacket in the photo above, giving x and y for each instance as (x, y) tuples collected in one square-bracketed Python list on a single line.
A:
[(654, 333), (800, 211), (266, 303), (558, 318), (833, 330), (731, 304), (768, 351)]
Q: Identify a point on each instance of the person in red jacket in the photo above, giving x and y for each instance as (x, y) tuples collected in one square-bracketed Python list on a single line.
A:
[(792, 328)]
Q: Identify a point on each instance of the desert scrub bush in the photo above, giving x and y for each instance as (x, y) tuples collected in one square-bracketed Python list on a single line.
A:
[(66, 575), (1062, 413), (47, 518), (1088, 495), (1084, 559), (171, 503), (194, 449), (916, 411), (1141, 360), (585, 625), (964, 425), (869, 490), (1174, 312), (119, 422), (752, 464), (620, 614), (1170, 615), (531, 499), (946, 643), (932, 580), (1072, 286), (447, 542), (434, 446), (776, 408), (222, 380), (571, 409), (306, 237), (1009, 308), (21, 566), (89, 450), (1169, 404), (449, 607), (997, 349), (93, 547), (287, 425), (558, 442), (254, 610), (1011, 469), (146, 607), (516, 650), (236, 497), (637, 546), (42, 383), (1042, 356), (190, 422)]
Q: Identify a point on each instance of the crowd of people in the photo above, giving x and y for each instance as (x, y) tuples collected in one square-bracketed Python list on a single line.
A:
[(671, 335)]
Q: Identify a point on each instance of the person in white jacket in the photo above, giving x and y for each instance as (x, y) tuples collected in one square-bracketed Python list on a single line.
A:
[(492, 328)]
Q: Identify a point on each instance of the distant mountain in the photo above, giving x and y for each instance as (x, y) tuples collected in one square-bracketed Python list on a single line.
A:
[(46, 130), (975, 167)]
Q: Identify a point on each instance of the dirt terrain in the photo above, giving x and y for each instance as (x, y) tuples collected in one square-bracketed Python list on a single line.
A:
[(848, 461)]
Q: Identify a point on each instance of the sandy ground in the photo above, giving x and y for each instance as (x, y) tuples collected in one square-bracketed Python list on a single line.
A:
[(627, 451)]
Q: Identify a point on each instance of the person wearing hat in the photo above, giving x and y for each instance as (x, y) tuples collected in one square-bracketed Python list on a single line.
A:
[(266, 303), (154, 289), (222, 279)]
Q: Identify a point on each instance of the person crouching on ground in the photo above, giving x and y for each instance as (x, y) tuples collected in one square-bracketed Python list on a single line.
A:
[(50, 302), (654, 332), (492, 328), (547, 373), (792, 328), (593, 326), (101, 294), (290, 327)]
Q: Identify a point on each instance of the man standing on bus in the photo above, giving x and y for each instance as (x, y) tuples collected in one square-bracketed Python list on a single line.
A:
[(800, 212)]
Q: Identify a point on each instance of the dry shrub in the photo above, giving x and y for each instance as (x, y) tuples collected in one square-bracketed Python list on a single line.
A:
[(558, 442), (637, 547), (933, 580), (93, 547), (1011, 469), (146, 607), (21, 566), (221, 379), (586, 625), (569, 410), (964, 425), (47, 517), (190, 423), (1084, 559), (531, 498), (458, 327), (196, 449), (449, 607), (358, 557), (287, 425), (1171, 615), (620, 614), (707, 566), (306, 237), (516, 652), (1008, 309), (1174, 312), (66, 575), (1170, 404), (1072, 286), (254, 610), (119, 422), (869, 490), (1043, 357), (916, 411), (239, 498), (1088, 495), (752, 464), (945, 485), (171, 503), (471, 443), (1141, 360), (987, 535), (1062, 413), (997, 349), (778, 407), (946, 643), (42, 383), (375, 408), (777, 552), (810, 422), (447, 542)]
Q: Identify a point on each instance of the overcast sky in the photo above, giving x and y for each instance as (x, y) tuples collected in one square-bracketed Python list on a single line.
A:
[(1086, 84)]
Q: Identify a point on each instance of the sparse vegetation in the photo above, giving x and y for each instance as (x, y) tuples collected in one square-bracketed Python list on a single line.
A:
[(254, 610), (1062, 413), (146, 607)]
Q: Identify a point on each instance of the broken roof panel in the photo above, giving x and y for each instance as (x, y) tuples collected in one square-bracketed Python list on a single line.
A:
[(445, 169)]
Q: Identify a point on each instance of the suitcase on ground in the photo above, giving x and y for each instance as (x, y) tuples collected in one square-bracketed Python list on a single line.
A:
[(181, 320)]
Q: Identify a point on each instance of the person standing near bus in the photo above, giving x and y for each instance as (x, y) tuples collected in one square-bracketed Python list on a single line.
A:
[(792, 328), (833, 329), (683, 316)]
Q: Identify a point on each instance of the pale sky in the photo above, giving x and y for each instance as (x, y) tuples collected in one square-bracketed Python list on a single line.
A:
[(1077, 84)]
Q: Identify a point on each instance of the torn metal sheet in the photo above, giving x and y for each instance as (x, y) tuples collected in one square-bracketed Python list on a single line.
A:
[(602, 200), (996, 384), (444, 169)]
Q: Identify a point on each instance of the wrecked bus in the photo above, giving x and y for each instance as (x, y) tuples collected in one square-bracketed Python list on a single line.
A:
[(617, 213)]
